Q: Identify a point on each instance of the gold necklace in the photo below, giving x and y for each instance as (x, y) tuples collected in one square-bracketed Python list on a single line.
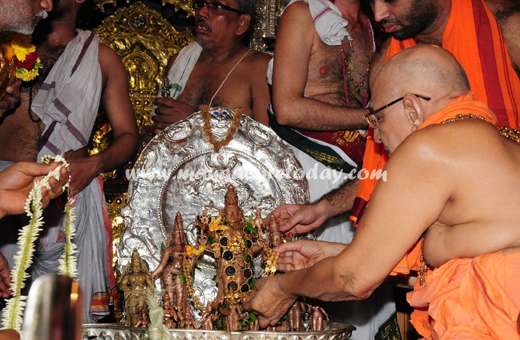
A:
[(511, 134), (206, 117), (506, 132)]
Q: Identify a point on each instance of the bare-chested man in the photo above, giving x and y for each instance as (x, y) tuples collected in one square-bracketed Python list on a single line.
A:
[(217, 69), (322, 55), (57, 118), (320, 92), (462, 190)]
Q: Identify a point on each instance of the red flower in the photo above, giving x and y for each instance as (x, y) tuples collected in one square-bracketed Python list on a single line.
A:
[(29, 61)]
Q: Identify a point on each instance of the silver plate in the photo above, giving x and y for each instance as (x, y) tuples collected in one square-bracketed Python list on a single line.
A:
[(334, 331), (179, 171)]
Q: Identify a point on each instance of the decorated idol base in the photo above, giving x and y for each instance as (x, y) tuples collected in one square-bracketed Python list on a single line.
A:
[(333, 331)]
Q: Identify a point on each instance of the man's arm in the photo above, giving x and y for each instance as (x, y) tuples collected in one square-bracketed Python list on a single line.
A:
[(259, 89), (294, 43), (401, 209), (121, 116)]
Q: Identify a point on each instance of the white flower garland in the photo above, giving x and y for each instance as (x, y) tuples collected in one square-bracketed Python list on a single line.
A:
[(13, 312)]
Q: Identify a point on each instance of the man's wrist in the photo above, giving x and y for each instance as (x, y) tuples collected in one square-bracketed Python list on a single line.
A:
[(284, 283), (324, 208)]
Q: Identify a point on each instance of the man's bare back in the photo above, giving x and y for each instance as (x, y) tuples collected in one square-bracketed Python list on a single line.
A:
[(482, 214)]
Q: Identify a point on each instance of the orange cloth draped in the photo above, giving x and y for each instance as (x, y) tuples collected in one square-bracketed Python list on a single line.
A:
[(476, 298), (487, 64)]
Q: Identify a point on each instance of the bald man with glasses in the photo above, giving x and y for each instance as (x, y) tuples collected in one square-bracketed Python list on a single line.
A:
[(452, 186), (216, 70)]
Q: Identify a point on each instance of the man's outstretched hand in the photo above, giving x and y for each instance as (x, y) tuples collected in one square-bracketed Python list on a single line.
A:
[(302, 254), (268, 301), (296, 219)]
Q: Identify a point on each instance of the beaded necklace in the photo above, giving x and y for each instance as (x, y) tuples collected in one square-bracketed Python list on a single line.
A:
[(347, 72)]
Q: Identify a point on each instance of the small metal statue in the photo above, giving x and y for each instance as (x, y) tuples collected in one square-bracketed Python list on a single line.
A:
[(233, 250), (135, 282), (171, 272)]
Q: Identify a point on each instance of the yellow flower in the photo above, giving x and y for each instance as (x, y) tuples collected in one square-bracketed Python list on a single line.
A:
[(19, 46), (199, 250), (194, 251), (25, 75), (215, 225)]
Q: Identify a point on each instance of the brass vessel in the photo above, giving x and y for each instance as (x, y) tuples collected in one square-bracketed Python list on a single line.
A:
[(7, 70)]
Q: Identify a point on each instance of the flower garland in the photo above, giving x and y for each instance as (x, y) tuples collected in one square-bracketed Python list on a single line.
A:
[(12, 313), (19, 46), (206, 117)]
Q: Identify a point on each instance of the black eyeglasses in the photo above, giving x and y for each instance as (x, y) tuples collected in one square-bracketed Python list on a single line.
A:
[(373, 121), (214, 7)]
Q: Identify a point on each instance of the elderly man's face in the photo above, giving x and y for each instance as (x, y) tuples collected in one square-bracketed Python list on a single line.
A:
[(24, 14), (392, 124), (405, 18), (214, 24)]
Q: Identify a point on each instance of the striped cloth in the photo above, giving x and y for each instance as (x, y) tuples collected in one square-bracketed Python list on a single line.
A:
[(68, 100), (67, 103)]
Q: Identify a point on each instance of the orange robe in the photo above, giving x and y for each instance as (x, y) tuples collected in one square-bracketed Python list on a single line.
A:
[(476, 298), (492, 78)]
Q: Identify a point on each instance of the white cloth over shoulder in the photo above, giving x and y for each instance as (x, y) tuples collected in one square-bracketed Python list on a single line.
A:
[(180, 71), (68, 100), (329, 23)]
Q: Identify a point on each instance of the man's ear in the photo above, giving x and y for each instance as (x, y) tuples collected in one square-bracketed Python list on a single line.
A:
[(243, 24), (414, 110)]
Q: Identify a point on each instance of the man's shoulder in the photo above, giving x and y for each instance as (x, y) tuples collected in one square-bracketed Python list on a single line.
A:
[(107, 56), (451, 140), (107, 52), (298, 10), (259, 59)]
